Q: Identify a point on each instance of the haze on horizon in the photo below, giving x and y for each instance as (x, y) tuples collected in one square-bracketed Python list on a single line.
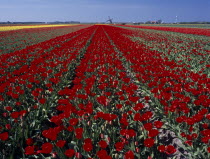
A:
[(99, 10)]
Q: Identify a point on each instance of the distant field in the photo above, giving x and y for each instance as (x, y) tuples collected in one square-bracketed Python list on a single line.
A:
[(16, 27), (185, 30), (206, 26)]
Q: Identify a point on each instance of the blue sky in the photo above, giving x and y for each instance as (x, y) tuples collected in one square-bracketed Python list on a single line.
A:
[(99, 10)]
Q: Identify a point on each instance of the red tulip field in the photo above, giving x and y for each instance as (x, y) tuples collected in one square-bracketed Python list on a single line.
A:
[(105, 92)]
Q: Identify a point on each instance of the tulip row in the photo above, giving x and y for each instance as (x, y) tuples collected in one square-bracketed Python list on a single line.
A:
[(33, 30), (183, 96), (190, 50), (17, 27), (101, 113), (28, 92), (17, 59), (11, 41)]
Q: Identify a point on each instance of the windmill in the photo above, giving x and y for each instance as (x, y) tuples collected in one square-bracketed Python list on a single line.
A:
[(109, 20)]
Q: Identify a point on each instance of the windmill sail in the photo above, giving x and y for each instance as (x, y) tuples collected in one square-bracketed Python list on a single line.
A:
[(109, 20)]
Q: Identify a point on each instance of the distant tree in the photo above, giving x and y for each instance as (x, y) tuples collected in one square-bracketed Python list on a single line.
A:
[(159, 21)]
